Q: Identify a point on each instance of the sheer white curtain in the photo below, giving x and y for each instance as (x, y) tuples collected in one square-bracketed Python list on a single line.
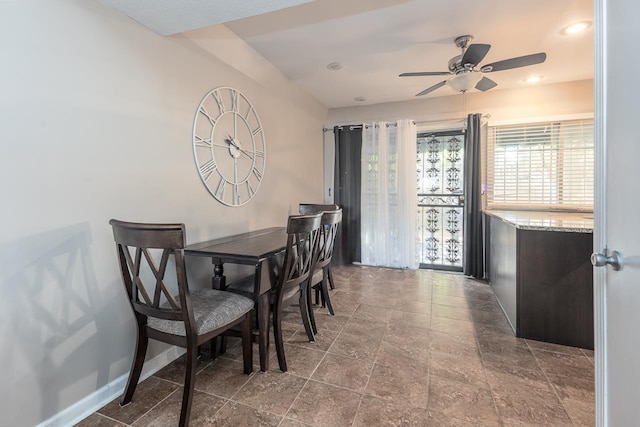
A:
[(389, 194)]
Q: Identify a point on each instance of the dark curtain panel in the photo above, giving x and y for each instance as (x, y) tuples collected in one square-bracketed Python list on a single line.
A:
[(473, 256), (347, 193)]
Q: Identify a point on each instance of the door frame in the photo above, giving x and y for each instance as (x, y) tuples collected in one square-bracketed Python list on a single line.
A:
[(462, 130), (599, 217)]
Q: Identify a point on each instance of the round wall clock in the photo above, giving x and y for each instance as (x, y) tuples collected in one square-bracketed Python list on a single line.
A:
[(229, 146)]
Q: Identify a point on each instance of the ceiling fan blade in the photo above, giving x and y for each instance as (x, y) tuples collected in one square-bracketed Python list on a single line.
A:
[(521, 61), (485, 84), (475, 53), (426, 73), (432, 88)]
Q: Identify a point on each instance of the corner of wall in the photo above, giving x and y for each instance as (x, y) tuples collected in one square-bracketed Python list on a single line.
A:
[(222, 43), (96, 400)]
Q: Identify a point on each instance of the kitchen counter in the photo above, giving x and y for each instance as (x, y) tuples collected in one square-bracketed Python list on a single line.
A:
[(538, 264), (547, 221)]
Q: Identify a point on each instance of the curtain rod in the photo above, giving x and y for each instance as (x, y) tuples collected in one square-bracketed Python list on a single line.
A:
[(424, 122), (352, 127)]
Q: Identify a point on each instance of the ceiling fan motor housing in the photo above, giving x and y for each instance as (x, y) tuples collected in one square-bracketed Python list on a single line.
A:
[(463, 41), (463, 67), (455, 65)]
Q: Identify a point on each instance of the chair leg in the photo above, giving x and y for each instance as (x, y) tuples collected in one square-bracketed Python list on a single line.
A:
[(247, 342), (325, 295), (277, 332), (323, 304), (223, 345), (330, 278), (189, 383), (214, 348), (312, 316), (142, 342), (304, 312)]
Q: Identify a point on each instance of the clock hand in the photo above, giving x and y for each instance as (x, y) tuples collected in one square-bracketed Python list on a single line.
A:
[(235, 126), (232, 141), (248, 153)]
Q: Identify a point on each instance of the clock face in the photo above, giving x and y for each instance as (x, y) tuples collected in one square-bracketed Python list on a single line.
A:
[(228, 146)]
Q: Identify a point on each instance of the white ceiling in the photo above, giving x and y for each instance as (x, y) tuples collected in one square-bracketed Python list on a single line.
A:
[(375, 40), (167, 17)]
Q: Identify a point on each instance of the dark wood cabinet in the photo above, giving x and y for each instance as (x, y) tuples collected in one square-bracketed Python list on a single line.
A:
[(543, 280)]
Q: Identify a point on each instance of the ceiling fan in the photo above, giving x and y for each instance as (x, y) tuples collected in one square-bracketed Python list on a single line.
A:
[(463, 67)]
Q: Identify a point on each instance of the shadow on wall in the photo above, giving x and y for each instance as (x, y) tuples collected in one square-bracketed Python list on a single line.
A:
[(57, 329)]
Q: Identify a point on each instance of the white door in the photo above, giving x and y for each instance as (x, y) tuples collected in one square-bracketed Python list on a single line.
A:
[(617, 293)]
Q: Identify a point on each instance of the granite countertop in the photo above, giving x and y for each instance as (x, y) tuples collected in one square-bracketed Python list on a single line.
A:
[(547, 221)]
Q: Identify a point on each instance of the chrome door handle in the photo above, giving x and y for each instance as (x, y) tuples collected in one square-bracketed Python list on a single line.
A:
[(615, 260)]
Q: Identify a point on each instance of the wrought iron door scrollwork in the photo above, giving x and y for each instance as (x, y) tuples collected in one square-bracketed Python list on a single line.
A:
[(440, 181)]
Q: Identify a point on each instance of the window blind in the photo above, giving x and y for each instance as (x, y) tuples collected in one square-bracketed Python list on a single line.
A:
[(541, 166)]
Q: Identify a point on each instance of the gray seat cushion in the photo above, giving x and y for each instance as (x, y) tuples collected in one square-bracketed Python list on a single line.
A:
[(212, 309)]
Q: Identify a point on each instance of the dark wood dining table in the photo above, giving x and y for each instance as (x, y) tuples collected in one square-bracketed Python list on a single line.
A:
[(261, 249)]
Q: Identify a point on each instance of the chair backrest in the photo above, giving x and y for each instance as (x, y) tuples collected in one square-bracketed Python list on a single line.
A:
[(308, 208), (303, 233), (147, 298), (328, 231)]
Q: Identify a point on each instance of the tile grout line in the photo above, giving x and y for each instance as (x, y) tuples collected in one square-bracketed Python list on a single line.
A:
[(477, 343), (484, 371), (364, 389), (332, 344), (427, 404), (111, 419), (226, 399), (156, 405), (544, 372), (308, 379), (229, 399), (356, 288)]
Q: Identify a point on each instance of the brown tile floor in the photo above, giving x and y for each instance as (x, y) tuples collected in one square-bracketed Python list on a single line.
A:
[(406, 348)]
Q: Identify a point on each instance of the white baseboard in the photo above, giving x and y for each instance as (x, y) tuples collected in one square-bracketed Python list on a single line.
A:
[(96, 400)]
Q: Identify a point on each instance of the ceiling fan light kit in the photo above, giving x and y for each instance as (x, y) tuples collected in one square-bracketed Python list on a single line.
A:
[(463, 67), (464, 81)]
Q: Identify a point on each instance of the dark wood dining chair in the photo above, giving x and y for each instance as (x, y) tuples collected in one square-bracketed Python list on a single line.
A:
[(292, 278), (187, 319), (308, 208), (318, 282)]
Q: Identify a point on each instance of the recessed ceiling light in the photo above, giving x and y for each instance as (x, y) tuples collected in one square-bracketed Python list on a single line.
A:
[(359, 99), (334, 66), (533, 79), (576, 28)]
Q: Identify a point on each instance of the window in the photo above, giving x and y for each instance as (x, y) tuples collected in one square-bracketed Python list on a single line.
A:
[(541, 166)]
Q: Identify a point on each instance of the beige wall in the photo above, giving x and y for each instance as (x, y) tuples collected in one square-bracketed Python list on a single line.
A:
[(96, 123), (529, 104), (533, 102)]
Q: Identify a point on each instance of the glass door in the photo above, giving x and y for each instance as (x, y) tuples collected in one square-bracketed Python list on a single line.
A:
[(440, 200)]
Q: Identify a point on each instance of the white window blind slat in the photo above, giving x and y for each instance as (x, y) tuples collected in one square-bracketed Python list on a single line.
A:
[(541, 165)]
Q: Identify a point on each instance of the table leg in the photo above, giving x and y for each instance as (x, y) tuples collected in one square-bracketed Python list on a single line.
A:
[(219, 281), (263, 325)]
